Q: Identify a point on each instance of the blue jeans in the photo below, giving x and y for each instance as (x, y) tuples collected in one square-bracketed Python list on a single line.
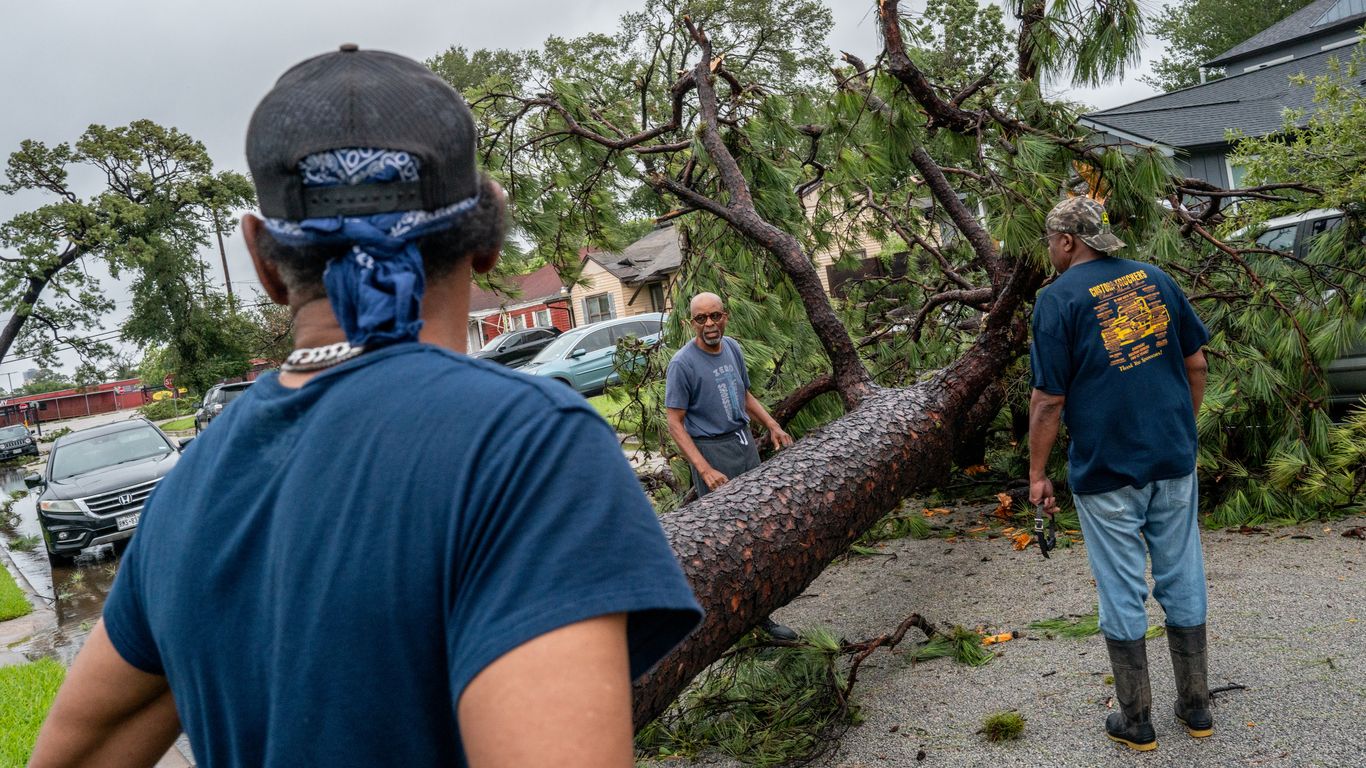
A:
[(1122, 527)]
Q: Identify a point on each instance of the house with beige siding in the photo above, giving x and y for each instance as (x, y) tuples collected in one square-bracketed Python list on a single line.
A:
[(637, 279), (631, 282)]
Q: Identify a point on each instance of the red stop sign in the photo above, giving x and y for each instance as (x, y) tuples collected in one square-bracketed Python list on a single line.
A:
[(169, 380)]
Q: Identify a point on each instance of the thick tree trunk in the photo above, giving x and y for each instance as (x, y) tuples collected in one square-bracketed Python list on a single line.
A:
[(757, 542), (32, 291)]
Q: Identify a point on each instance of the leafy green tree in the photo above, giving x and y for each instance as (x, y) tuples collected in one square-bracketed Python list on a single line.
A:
[(270, 330), (206, 340), (1196, 31), (155, 365), (160, 192), (464, 69)]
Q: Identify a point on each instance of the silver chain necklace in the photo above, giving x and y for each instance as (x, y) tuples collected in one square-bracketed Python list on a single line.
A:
[(308, 359)]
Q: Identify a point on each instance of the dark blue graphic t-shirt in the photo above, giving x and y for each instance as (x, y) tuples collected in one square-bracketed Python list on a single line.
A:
[(328, 567), (712, 388), (1112, 335)]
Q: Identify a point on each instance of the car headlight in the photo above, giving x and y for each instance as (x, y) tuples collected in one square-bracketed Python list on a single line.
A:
[(60, 506)]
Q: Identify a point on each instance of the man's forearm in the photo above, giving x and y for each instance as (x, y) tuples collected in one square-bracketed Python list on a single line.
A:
[(107, 713), (1045, 412)]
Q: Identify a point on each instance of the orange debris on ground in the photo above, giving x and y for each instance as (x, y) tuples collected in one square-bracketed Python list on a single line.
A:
[(1003, 509)]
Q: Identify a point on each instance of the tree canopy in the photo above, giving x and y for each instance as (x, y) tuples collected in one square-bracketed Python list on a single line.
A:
[(160, 200)]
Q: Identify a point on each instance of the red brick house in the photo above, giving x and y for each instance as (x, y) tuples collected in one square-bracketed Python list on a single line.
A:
[(542, 300)]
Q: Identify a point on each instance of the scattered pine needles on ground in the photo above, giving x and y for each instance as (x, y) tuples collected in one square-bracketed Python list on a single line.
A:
[(1077, 627), (770, 704), (1003, 726)]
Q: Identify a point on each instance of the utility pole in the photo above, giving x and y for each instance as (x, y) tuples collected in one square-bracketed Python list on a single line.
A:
[(223, 254)]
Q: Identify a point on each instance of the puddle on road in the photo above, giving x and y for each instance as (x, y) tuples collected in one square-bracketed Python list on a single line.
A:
[(76, 592)]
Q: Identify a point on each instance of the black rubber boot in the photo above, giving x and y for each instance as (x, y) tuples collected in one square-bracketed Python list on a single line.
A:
[(1190, 663), (1132, 725)]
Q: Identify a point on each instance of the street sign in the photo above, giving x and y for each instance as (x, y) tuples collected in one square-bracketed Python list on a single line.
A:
[(169, 380)]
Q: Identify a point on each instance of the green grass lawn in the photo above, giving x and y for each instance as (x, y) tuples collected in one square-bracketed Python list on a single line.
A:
[(13, 603), (26, 693), (186, 422), (606, 406), (610, 407)]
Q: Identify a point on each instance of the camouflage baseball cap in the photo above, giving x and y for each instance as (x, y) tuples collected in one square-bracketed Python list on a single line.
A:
[(1085, 218)]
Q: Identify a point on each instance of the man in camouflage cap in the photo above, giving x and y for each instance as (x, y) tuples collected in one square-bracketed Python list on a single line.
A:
[(1116, 353)]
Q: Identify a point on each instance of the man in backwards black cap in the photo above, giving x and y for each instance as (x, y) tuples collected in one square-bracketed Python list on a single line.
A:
[(388, 553)]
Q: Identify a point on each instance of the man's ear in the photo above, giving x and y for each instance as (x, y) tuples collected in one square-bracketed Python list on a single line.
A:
[(266, 271), (484, 261)]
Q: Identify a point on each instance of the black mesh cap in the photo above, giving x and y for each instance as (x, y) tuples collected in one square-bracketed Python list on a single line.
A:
[(368, 99)]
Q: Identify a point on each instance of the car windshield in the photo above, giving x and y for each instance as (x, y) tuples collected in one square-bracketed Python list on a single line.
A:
[(107, 450), (494, 342), (558, 348), (13, 433)]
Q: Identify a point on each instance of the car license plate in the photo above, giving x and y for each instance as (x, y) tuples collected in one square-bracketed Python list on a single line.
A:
[(128, 521)]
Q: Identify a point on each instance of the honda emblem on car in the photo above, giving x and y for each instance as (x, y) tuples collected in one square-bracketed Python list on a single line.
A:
[(125, 499)]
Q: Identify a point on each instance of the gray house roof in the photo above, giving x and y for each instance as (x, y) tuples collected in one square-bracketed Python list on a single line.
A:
[(649, 258), (1317, 18), (1201, 114)]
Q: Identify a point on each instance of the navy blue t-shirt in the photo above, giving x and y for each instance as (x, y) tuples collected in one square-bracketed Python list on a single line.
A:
[(711, 387), (328, 567), (1112, 336)]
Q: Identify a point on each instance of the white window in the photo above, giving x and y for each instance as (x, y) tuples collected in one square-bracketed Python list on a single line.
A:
[(541, 318), (518, 322), (597, 308)]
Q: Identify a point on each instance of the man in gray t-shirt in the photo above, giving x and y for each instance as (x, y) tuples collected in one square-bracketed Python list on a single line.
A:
[(709, 403), (709, 407)]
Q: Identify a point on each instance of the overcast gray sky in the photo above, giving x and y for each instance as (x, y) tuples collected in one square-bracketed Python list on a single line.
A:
[(202, 66)]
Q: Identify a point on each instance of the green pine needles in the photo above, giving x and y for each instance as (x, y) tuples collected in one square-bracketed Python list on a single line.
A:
[(767, 705)]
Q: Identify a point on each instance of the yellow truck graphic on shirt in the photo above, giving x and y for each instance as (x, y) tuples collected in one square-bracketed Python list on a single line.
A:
[(1136, 317)]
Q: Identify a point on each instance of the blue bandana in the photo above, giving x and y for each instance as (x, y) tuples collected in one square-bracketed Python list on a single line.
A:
[(376, 288)]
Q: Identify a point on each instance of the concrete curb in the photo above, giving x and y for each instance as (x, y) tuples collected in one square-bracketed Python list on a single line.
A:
[(19, 629)]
